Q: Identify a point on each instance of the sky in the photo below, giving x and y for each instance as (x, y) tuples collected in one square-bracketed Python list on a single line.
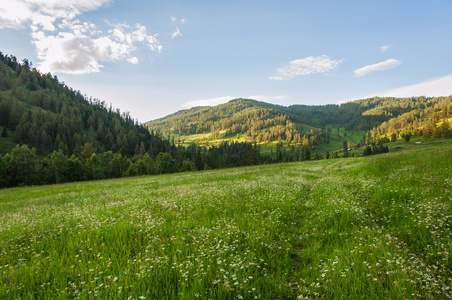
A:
[(155, 57)]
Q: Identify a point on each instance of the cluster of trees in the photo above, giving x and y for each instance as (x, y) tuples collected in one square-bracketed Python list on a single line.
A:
[(24, 166), (376, 148)]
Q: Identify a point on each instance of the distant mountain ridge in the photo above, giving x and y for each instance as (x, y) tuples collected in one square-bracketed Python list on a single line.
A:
[(264, 123)]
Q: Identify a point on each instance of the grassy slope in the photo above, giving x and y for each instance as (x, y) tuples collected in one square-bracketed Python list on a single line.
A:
[(373, 227)]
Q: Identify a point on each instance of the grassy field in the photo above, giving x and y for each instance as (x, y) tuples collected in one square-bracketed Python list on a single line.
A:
[(374, 227)]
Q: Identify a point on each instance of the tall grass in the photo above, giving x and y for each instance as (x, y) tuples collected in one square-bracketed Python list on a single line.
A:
[(372, 228)]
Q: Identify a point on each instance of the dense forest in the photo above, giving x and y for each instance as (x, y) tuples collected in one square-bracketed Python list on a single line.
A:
[(427, 117), (48, 115), (257, 121)]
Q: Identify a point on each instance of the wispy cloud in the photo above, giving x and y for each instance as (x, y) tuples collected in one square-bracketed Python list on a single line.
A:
[(65, 44), (434, 87), (176, 33), (384, 65), (306, 66), (384, 48)]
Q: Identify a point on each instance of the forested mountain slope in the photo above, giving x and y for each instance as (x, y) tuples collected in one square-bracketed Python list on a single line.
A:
[(256, 121), (46, 114), (367, 113), (263, 122)]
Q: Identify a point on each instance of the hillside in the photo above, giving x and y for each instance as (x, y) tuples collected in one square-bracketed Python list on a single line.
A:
[(38, 110), (240, 120), (319, 127), (358, 228)]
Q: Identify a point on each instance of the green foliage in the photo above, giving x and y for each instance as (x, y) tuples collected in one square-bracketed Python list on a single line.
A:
[(22, 166), (4, 177), (165, 163), (4, 132), (75, 169), (131, 171), (93, 168), (146, 166), (187, 166), (56, 167)]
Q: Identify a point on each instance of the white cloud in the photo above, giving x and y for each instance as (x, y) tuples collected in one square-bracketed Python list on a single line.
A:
[(434, 87), (174, 20), (65, 53), (384, 65), (133, 60), (19, 13), (81, 49), (384, 48), (65, 44), (176, 33), (306, 66)]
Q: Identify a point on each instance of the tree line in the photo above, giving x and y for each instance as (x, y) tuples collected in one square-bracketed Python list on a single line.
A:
[(24, 166)]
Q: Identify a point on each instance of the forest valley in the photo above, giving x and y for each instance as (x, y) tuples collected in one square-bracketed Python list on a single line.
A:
[(51, 133)]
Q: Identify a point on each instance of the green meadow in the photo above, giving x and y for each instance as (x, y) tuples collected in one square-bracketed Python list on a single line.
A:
[(375, 227)]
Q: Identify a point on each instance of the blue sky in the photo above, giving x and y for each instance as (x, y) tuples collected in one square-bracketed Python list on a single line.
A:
[(152, 58)]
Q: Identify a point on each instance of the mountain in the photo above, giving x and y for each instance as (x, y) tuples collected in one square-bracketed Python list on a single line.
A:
[(255, 120), (324, 127), (38, 110)]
